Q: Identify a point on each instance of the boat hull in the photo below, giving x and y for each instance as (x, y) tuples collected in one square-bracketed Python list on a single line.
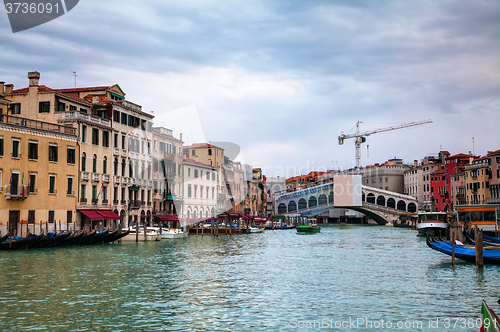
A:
[(308, 229), (430, 228)]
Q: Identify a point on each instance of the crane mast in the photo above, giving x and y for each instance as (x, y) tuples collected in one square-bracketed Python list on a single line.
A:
[(361, 137)]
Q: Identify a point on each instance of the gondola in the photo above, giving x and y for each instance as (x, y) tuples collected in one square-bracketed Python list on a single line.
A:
[(19, 242), (97, 238), (41, 240), (87, 237), (487, 240), (467, 254), (54, 239), (4, 238), (110, 236), (74, 239), (119, 235)]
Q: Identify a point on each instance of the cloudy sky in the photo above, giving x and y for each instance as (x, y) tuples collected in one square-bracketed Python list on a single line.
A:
[(282, 79)]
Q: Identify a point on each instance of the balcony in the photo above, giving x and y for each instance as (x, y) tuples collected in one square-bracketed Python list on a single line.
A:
[(124, 180), (14, 120), (149, 203), (94, 200), (116, 151), (117, 179), (84, 176), (133, 155), (115, 202), (135, 204), (493, 200), (16, 192), (83, 200), (123, 202), (72, 116), (96, 177), (105, 177), (124, 153)]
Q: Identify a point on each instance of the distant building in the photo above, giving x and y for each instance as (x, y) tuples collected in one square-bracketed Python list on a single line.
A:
[(388, 176), (476, 181), (494, 177)]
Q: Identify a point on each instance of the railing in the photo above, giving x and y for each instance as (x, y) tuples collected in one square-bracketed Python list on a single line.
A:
[(123, 202), (128, 104), (96, 177), (135, 204), (133, 155), (4, 118), (493, 200), (105, 177), (124, 153), (94, 200), (115, 202), (83, 200), (116, 151), (16, 192), (84, 176), (124, 180), (79, 116), (117, 179), (104, 201)]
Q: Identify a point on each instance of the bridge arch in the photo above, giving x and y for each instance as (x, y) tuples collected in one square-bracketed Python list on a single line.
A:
[(313, 201), (391, 203), (401, 205), (363, 198), (302, 204), (370, 198), (292, 206), (281, 208), (380, 200), (412, 207), (322, 200), (330, 197)]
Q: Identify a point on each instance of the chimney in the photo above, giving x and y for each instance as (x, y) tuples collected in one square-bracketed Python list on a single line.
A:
[(2, 87), (9, 88), (180, 137), (415, 163), (34, 78), (95, 99), (470, 153), (196, 158)]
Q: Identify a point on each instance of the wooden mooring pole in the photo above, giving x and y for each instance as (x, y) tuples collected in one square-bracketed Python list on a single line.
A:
[(453, 248), (479, 249)]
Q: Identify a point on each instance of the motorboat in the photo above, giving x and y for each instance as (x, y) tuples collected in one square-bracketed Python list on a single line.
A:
[(432, 223)]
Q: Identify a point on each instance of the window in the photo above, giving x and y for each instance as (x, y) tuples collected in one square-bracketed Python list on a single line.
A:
[(123, 167), (189, 171), (15, 108), (83, 194), (94, 164), (95, 136), (16, 142), (44, 107), (52, 184), (72, 108), (61, 107), (104, 194), (31, 217), (33, 150), (1, 145), (208, 175), (32, 182), (51, 217), (195, 190), (213, 176), (189, 190), (71, 155), (209, 152), (84, 162), (83, 110), (69, 217), (94, 193), (123, 142), (124, 118), (116, 116), (84, 134), (116, 140), (154, 145), (192, 153), (105, 138), (105, 165), (53, 152), (70, 185)]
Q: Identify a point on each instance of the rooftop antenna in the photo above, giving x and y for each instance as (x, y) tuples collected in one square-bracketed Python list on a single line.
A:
[(75, 75), (473, 146)]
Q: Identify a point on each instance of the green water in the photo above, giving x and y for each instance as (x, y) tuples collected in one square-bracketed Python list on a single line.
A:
[(274, 281)]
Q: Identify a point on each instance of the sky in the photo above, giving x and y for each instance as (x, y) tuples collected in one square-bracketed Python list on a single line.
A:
[(283, 79)]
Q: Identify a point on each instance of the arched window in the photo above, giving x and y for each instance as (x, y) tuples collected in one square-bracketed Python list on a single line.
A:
[(401, 205), (84, 162), (123, 167), (363, 198), (370, 198), (412, 207), (116, 167), (302, 204), (130, 169), (381, 200), (313, 201), (105, 165), (322, 200), (292, 206), (391, 203), (281, 208), (94, 164)]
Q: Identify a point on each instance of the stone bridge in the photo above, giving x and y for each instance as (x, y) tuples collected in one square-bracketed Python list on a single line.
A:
[(380, 205)]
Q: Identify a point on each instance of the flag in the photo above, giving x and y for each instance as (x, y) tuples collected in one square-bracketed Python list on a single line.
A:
[(22, 184), (269, 193), (29, 181), (488, 323), (102, 190)]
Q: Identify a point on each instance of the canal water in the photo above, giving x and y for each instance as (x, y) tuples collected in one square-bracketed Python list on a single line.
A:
[(351, 278)]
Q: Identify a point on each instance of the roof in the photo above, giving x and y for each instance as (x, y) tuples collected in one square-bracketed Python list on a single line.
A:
[(439, 171), (102, 98), (460, 155), (493, 152), (41, 88), (201, 145), (192, 161), (87, 89)]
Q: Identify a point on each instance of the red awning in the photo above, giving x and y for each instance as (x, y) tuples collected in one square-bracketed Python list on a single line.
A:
[(92, 214), (245, 216), (167, 218), (108, 214), (259, 219), (234, 215)]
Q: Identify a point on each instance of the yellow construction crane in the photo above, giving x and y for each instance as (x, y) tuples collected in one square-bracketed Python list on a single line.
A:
[(361, 137)]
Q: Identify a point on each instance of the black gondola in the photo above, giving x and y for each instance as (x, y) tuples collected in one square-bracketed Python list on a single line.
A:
[(18, 242), (4, 238), (54, 239), (110, 236), (97, 238), (74, 239), (87, 237)]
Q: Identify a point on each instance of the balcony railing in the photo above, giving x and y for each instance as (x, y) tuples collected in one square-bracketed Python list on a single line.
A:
[(135, 204), (83, 200), (124, 180), (115, 202), (79, 116), (117, 179), (493, 200), (16, 192), (133, 155), (124, 153), (94, 200), (105, 177), (96, 177), (14, 120), (116, 151), (123, 202), (84, 176)]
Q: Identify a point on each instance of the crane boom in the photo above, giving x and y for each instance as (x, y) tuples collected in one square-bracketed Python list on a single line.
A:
[(361, 137)]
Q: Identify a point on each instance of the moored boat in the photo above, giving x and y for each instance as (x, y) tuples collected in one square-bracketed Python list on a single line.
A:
[(432, 223), (308, 229), (491, 255)]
